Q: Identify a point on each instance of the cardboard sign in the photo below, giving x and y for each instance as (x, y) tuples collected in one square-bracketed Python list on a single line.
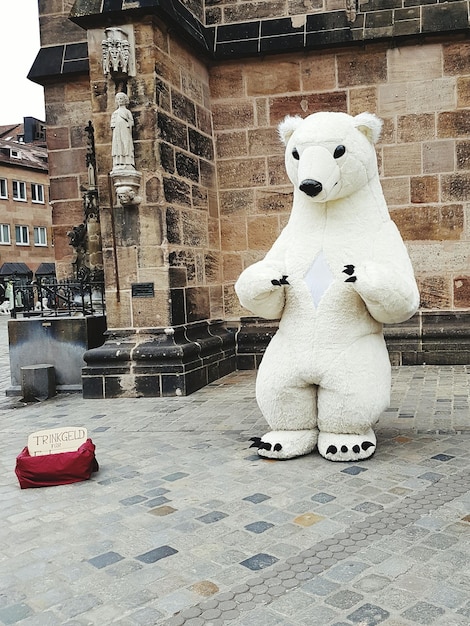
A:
[(55, 440)]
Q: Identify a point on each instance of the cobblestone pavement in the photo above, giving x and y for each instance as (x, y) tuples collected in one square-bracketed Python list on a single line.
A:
[(185, 525)]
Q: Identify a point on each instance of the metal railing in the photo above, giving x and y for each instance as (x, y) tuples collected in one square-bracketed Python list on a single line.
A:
[(56, 299)]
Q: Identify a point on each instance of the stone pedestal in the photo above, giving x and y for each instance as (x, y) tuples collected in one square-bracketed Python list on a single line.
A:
[(126, 183), (58, 341), (173, 361), (38, 382)]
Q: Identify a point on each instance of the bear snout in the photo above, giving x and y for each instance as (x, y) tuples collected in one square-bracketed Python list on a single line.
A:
[(311, 187)]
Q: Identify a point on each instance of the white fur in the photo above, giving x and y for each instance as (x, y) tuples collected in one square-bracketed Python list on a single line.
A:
[(327, 367), (370, 125), (288, 125)]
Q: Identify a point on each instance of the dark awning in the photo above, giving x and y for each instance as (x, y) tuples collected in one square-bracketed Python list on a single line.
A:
[(45, 268), (15, 269)]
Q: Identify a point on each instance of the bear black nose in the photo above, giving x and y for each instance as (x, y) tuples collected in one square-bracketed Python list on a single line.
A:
[(311, 187)]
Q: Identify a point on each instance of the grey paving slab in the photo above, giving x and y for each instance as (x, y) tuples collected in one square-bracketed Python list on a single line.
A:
[(184, 525)]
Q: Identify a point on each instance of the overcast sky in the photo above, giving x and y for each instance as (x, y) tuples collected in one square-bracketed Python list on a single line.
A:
[(19, 45)]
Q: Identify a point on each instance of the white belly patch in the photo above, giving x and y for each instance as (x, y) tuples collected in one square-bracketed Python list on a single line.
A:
[(318, 278)]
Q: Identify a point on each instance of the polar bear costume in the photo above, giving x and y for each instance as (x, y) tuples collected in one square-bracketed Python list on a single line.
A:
[(337, 272)]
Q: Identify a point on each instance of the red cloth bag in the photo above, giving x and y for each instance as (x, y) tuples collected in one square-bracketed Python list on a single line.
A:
[(56, 469)]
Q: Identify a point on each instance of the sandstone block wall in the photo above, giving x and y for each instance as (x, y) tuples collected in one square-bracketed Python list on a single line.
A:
[(422, 94), (67, 113), (172, 239)]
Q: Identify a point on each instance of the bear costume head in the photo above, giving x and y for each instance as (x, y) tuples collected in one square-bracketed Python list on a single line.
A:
[(330, 155)]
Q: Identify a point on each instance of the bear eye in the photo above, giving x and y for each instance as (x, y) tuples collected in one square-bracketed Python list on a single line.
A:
[(295, 154), (339, 151)]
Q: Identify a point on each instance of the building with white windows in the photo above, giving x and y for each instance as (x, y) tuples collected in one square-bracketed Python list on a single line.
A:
[(26, 246)]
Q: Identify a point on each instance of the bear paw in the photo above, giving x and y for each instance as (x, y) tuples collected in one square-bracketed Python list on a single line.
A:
[(285, 444), (279, 282), (340, 447)]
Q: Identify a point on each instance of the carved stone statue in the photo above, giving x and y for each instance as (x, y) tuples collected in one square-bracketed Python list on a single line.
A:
[(122, 144), (126, 178), (125, 56), (77, 237)]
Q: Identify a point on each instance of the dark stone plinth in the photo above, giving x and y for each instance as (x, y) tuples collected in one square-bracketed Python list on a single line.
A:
[(429, 337), (58, 341), (173, 361), (253, 337)]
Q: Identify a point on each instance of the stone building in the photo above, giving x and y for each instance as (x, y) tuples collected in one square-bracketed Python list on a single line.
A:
[(208, 81), (26, 244)]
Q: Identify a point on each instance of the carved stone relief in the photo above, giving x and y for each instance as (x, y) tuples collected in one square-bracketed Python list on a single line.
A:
[(117, 53)]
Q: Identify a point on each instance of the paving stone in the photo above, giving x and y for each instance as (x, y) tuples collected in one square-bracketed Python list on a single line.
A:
[(259, 527), (259, 561), (103, 560), (423, 613), (440, 541), (152, 556), (347, 571), (372, 583), (368, 614), (344, 599), (322, 498), (320, 586), (15, 613)]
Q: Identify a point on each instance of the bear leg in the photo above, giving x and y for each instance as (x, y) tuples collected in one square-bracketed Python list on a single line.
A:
[(285, 444), (287, 402), (346, 447)]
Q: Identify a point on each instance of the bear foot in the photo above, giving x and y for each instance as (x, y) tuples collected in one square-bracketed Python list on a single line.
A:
[(344, 447), (285, 444)]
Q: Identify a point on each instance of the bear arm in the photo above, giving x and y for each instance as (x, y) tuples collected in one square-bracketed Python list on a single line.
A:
[(389, 293), (257, 293)]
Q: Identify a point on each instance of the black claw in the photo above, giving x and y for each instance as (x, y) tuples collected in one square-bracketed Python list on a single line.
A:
[(344, 449), (332, 450), (264, 445), (282, 281), (277, 447), (356, 449), (367, 444), (351, 279), (349, 270)]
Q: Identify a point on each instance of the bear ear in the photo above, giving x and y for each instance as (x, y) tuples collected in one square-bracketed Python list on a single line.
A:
[(369, 124), (288, 125)]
